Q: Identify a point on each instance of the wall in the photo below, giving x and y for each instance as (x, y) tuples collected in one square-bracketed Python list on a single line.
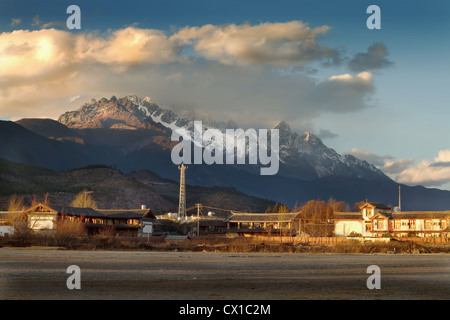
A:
[(344, 227), (4, 230)]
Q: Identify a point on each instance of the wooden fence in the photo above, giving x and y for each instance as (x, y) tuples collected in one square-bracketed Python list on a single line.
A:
[(436, 240), (336, 240)]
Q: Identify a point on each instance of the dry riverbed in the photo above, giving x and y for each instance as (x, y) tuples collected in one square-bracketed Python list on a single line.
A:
[(135, 275)]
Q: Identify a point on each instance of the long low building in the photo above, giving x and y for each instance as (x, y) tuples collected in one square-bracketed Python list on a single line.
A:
[(376, 220), (124, 221), (247, 224)]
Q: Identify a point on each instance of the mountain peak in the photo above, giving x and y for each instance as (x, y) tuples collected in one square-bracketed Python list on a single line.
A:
[(282, 126), (128, 112)]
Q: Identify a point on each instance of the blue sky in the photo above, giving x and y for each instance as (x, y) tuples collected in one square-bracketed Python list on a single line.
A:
[(379, 94)]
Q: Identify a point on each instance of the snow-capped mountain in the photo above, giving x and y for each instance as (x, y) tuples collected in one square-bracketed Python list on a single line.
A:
[(301, 156), (133, 134), (304, 150)]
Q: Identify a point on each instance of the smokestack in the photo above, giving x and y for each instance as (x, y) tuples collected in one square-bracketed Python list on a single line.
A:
[(399, 198), (143, 206)]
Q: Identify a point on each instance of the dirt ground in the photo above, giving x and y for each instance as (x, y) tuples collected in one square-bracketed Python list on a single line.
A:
[(29, 274)]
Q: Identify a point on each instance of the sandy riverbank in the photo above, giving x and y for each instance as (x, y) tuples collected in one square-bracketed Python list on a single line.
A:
[(41, 274)]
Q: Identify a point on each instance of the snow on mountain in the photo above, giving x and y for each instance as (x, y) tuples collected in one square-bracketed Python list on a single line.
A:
[(301, 155)]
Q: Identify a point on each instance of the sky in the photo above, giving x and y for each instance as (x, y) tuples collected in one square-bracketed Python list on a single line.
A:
[(379, 94)]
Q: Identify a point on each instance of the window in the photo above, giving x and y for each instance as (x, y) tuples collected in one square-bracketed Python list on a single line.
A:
[(380, 224)]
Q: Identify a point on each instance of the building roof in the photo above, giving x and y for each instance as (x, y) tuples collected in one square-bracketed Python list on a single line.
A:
[(384, 215), (347, 216), (375, 205), (394, 215), (127, 213), (421, 215), (95, 213), (262, 217), (87, 212)]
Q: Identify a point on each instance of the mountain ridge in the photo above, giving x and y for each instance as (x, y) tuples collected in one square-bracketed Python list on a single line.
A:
[(304, 156), (138, 137)]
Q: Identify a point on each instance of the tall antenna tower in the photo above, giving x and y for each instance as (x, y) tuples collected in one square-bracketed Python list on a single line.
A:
[(182, 200)]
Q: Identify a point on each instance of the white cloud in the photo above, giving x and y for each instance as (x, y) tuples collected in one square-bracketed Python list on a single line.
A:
[(428, 173), (74, 98), (41, 70), (281, 44), (364, 76)]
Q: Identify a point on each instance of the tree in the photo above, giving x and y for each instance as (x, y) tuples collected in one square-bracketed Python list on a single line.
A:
[(84, 199), (315, 216), (19, 219), (357, 205), (278, 208), (67, 230), (15, 203)]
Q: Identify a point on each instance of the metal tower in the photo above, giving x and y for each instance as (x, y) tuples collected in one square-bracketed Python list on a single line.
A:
[(182, 200)]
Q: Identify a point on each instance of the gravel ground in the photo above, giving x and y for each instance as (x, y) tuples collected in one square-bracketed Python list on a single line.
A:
[(27, 274)]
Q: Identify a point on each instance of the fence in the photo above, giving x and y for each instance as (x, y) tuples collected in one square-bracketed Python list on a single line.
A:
[(336, 240), (308, 240), (436, 240)]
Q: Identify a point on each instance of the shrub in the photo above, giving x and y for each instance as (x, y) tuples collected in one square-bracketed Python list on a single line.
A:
[(66, 231)]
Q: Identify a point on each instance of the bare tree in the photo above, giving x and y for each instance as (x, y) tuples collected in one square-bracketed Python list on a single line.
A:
[(15, 203), (19, 219), (67, 230), (84, 199)]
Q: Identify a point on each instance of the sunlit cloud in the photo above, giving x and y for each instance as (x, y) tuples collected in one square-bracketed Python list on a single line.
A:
[(428, 173), (231, 76), (290, 43)]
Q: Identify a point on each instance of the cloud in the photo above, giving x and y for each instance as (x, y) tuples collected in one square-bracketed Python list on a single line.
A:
[(428, 173), (280, 44), (385, 163), (394, 167), (74, 98), (36, 21), (326, 134), (343, 93), (374, 58), (15, 22), (36, 53), (41, 70), (370, 157)]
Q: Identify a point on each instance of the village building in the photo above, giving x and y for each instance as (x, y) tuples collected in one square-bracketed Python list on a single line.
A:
[(377, 220), (119, 222), (204, 226), (253, 224), (346, 223)]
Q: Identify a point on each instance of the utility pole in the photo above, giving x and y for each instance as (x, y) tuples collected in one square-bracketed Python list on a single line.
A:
[(198, 218), (182, 198)]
